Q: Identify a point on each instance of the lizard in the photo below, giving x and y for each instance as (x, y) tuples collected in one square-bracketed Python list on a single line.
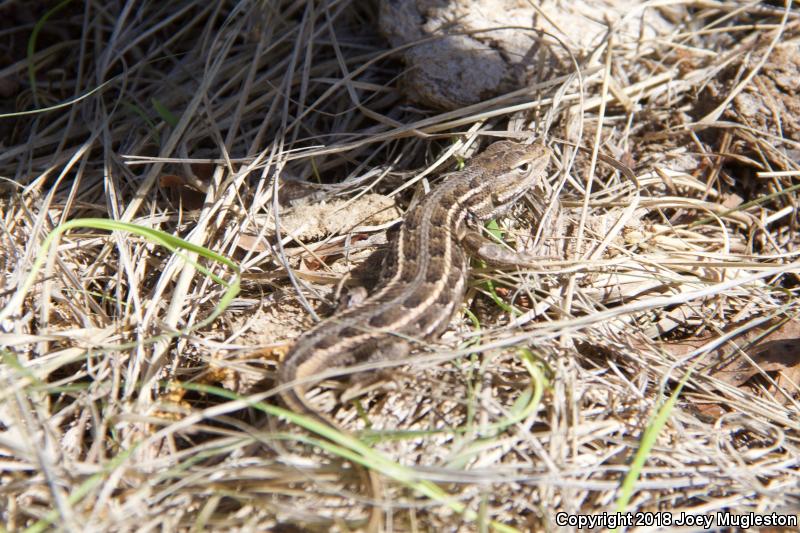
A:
[(423, 277)]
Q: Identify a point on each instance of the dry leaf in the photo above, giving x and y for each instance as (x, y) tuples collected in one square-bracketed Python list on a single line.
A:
[(773, 348), (181, 191)]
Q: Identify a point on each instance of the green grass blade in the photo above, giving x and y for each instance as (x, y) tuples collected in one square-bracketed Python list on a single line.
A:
[(31, 51), (172, 243), (648, 441)]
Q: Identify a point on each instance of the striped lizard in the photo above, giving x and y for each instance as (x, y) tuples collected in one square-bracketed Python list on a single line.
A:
[(423, 277)]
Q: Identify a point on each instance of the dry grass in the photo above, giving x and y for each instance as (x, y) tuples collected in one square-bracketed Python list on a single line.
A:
[(668, 246)]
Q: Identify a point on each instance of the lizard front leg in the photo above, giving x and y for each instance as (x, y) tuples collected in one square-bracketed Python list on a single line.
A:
[(495, 255)]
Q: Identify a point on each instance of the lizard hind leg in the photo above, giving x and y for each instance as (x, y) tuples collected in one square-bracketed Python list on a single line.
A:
[(390, 349)]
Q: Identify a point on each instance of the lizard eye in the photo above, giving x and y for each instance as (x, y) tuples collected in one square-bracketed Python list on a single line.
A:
[(524, 168)]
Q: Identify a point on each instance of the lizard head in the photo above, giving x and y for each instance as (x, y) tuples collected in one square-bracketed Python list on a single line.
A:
[(509, 170)]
